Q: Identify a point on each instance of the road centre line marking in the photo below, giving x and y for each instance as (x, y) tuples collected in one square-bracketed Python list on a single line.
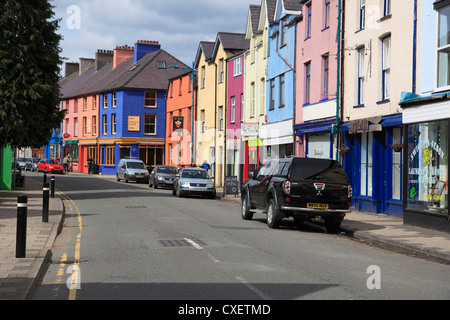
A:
[(193, 243), (213, 259), (253, 288)]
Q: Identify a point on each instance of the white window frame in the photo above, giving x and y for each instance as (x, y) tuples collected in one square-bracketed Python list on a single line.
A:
[(445, 48), (233, 109), (237, 67), (361, 77), (386, 68)]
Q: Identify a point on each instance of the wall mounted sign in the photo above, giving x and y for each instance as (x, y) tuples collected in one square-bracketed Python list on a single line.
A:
[(134, 123)]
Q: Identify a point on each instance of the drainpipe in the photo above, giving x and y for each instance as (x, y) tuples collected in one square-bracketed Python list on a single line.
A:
[(414, 48), (338, 78)]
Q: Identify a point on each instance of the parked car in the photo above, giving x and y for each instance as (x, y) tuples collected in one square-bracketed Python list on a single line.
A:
[(302, 188), (193, 181), (50, 165), (21, 163), (162, 176), (32, 164), (132, 170)]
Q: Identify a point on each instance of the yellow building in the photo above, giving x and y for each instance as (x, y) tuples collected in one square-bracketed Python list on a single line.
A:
[(259, 17), (210, 128)]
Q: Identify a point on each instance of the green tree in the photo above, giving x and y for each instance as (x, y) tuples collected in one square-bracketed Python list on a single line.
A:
[(29, 73)]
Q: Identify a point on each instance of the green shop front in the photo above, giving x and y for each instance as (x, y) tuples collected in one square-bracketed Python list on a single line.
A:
[(425, 179)]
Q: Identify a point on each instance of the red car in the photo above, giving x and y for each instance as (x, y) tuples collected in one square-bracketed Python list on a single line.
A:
[(50, 165)]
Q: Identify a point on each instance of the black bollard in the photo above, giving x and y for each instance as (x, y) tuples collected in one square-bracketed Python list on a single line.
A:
[(21, 237), (45, 177), (46, 191), (52, 187)]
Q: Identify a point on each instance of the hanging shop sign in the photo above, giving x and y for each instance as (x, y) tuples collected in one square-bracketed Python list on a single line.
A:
[(365, 125), (178, 123)]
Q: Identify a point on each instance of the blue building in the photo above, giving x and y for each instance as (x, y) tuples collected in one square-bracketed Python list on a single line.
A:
[(132, 112), (277, 133), (116, 106)]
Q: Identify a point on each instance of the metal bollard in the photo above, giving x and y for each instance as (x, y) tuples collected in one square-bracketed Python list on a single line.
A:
[(52, 187), (45, 203), (45, 177), (21, 237)]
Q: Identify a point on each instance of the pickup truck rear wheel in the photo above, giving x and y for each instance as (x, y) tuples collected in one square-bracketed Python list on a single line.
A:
[(332, 226), (245, 209), (273, 216)]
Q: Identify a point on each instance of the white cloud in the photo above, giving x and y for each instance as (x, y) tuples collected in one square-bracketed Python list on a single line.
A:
[(179, 25)]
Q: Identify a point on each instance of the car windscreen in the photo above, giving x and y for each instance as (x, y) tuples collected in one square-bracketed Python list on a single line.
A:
[(318, 169), (168, 170), (35, 160), (194, 174), (52, 162), (135, 165), (21, 159)]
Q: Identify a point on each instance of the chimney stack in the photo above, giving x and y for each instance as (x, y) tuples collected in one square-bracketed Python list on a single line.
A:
[(103, 57), (86, 64), (71, 67), (142, 47), (121, 54)]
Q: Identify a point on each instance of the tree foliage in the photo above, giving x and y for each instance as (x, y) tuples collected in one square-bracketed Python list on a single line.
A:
[(29, 73)]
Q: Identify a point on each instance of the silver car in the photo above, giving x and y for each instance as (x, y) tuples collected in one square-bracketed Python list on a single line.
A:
[(32, 164), (193, 181), (162, 176), (132, 170)]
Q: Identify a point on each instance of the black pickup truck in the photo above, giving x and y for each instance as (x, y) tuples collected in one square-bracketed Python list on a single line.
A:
[(302, 188)]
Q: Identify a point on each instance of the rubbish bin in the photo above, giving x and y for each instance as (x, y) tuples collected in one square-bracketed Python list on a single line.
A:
[(93, 168), (19, 182)]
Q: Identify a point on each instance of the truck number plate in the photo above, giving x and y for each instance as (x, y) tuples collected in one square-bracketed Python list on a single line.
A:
[(317, 205)]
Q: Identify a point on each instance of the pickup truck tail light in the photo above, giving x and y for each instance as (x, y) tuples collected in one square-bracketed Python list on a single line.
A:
[(350, 192), (287, 187)]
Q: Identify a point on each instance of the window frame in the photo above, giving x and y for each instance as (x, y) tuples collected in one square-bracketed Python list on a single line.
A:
[(308, 82), (386, 67), (148, 100), (444, 48), (149, 124)]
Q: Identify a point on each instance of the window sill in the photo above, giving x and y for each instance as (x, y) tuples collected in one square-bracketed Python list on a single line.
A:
[(307, 38), (386, 17), (383, 101), (359, 30), (326, 28), (359, 106)]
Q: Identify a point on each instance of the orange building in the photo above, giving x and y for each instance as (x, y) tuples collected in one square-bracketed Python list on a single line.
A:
[(179, 121)]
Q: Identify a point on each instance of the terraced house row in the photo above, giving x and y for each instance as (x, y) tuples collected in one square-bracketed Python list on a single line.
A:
[(366, 82)]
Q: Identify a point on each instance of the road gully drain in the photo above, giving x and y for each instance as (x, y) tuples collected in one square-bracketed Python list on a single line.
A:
[(186, 242), (135, 207)]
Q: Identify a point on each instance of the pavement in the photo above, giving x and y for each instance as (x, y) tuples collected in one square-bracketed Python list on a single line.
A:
[(19, 276)]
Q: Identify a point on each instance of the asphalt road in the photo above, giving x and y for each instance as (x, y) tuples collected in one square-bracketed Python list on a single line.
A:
[(127, 241)]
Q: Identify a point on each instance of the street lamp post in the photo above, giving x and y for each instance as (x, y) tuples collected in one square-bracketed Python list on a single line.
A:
[(191, 72)]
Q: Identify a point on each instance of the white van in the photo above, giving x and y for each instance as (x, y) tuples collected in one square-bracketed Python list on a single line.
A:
[(132, 170)]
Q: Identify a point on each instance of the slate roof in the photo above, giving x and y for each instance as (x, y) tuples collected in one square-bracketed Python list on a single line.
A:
[(254, 12), (270, 6), (207, 47), (233, 41), (294, 5), (144, 74)]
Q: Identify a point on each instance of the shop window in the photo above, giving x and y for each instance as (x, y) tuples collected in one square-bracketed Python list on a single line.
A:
[(427, 176)]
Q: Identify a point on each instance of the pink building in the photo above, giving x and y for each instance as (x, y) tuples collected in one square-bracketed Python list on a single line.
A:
[(235, 95), (316, 83)]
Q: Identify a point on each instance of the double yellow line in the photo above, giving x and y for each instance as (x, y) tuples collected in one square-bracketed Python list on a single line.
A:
[(74, 280)]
